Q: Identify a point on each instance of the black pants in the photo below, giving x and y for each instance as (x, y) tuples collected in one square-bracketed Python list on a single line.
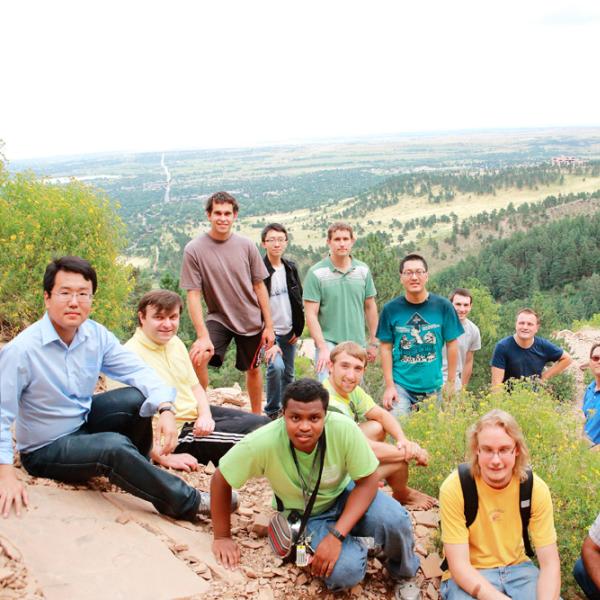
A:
[(231, 426), (115, 442)]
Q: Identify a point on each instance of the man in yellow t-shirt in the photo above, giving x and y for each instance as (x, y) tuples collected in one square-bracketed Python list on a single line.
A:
[(347, 363), (206, 432), (487, 561)]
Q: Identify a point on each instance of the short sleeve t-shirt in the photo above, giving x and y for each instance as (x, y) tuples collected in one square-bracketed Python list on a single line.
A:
[(417, 333), (356, 405), (591, 410), (266, 453), (495, 538), (341, 297), (595, 531), (225, 271), (279, 301), (524, 362), (469, 341)]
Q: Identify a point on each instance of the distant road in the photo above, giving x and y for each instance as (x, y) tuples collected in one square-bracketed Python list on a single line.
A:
[(167, 195)]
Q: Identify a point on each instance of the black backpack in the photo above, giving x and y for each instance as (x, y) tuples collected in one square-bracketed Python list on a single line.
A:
[(469, 490)]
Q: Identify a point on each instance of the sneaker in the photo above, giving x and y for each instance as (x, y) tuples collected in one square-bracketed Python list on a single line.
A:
[(373, 549), (204, 506), (407, 590)]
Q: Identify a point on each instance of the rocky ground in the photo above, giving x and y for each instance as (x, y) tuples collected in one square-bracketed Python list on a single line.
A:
[(53, 552), (30, 569)]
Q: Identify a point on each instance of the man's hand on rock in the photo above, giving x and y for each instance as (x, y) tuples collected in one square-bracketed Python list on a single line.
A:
[(12, 491), (227, 552)]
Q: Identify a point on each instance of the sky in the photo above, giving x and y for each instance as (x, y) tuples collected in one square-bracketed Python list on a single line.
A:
[(100, 76)]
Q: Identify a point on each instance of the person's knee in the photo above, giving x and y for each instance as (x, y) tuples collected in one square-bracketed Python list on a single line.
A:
[(253, 374), (127, 399), (349, 570), (276, 367), (115, 446)]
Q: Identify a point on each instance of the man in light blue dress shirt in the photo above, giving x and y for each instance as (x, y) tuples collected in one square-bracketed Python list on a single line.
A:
[(47, 378)]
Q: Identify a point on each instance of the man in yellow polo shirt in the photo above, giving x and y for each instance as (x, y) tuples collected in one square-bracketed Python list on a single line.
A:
[(348, 361), (487, 560), (206, 432)]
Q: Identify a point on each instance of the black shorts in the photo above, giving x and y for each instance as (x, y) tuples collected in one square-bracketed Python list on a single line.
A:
[(247, 346), (231, 425)]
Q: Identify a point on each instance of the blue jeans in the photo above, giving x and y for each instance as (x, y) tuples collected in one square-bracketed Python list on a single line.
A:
[(280, 373), (115, 442), (518, 582), (387, 521), (408, 401), (323, 375), (585, 581)]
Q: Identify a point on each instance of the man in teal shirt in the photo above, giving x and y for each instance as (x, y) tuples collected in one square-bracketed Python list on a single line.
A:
[(339, 296), (348, 504), (413, 330)]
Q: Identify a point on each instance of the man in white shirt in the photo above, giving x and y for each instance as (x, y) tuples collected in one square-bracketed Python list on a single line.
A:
[(468, 343)]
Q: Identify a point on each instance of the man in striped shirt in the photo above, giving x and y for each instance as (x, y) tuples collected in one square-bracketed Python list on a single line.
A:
[(206, 432)]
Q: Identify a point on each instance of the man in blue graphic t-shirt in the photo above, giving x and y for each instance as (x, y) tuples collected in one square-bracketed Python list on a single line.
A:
[(413, 330), (525, 355)]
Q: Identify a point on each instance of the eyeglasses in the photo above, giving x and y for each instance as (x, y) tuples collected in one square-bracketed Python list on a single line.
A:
[(281, 240), (418, 273), (595, 358), (81, 297), (502, 452)]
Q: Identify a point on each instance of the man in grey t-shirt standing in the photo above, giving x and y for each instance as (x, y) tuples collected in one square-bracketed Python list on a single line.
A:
[(228, 271), (468, 343)]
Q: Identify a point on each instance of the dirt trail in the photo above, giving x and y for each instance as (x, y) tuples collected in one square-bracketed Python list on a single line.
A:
[(579, 344)]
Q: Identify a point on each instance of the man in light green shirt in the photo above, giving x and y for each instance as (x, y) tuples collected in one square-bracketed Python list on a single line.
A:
[(348, 504), (346, 369)]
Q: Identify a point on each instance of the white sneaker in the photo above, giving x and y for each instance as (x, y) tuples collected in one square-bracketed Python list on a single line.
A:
[(407, 590), (204, 506)]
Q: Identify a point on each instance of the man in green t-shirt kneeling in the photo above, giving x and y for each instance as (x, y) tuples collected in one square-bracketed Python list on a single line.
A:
[(348, 504)]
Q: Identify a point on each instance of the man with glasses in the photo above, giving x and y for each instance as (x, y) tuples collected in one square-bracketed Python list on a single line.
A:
[(48, 374), (413, 330), (591, 400), (339, 297), (486, 558), (524, 354), (287, 312)]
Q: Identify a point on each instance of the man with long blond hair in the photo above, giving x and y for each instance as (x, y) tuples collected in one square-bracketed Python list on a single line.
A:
[(487, 559)]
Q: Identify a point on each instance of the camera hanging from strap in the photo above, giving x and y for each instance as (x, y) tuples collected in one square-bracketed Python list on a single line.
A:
[(286, 535)]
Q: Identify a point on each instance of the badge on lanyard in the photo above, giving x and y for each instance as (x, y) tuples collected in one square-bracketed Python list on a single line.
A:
[(301, 555)]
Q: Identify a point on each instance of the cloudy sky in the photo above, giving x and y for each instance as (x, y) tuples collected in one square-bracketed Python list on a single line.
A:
[(95, 76)]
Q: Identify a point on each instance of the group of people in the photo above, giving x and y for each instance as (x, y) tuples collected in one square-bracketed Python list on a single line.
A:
[(324, 445)]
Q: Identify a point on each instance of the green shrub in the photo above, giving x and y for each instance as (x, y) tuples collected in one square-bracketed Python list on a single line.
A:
[(559, 456), (39, 222)]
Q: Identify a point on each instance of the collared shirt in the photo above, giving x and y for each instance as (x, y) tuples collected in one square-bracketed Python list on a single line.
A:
[(341, 296), (172, 363), (591, 409), (356, 405), (47, 386)]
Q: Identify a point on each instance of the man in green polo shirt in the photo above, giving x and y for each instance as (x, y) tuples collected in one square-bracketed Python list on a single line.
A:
[(339, 296), (346, 370), (348, 504)]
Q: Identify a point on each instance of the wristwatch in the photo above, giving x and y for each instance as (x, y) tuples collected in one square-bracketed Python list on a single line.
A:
[(335, 533), (169, 408)]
